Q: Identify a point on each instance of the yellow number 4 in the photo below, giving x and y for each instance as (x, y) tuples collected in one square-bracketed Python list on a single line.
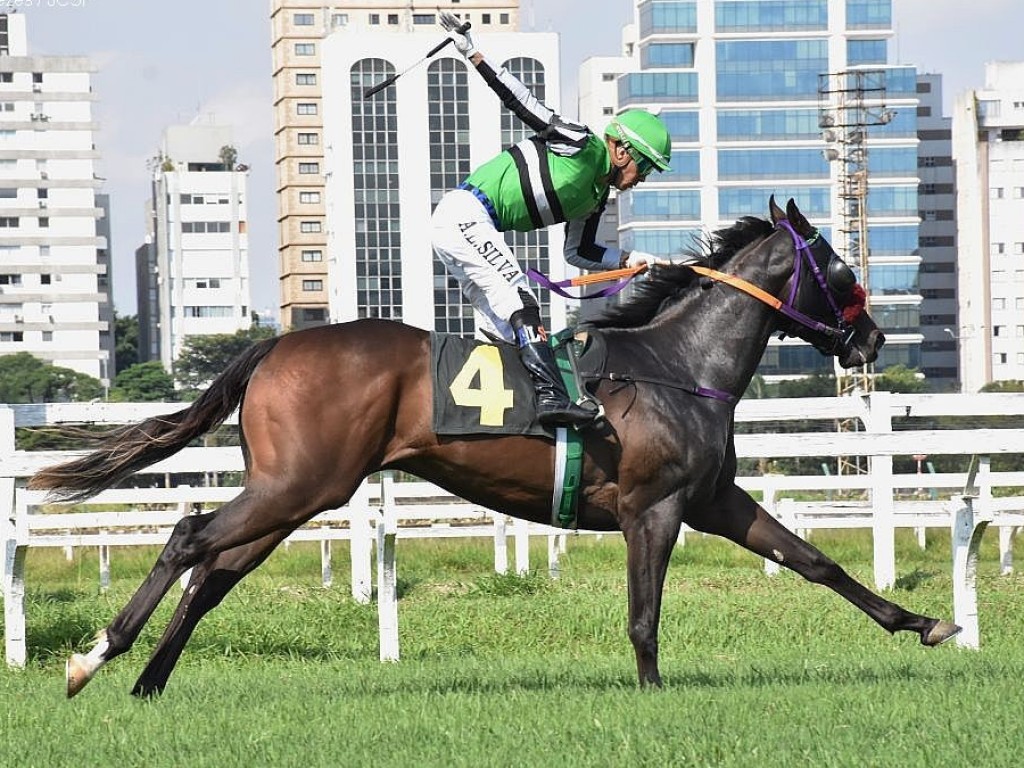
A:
[(490, 396)]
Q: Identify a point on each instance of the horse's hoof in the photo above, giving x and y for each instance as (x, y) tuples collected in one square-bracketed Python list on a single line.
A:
[(78, 673), (940, 633)]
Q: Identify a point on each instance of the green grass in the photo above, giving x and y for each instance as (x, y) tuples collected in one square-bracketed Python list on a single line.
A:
[(498, 670)]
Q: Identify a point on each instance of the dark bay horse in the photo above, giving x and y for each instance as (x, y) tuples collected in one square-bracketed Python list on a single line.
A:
[(323, 408)]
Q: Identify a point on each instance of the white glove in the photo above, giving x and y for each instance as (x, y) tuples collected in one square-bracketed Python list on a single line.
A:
[(463, 41), (641, 259)]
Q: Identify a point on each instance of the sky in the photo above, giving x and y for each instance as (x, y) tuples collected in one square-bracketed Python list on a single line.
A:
[(166, 63)]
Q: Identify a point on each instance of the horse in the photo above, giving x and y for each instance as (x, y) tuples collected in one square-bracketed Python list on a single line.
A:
[(322, 408)]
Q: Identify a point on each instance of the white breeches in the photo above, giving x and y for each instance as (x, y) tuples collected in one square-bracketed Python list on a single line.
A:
[(475, 253)]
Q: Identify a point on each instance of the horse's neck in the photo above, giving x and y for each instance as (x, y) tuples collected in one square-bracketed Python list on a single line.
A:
[(719, 332)]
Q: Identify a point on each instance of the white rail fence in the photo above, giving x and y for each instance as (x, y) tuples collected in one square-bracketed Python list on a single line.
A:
[(382, 512)]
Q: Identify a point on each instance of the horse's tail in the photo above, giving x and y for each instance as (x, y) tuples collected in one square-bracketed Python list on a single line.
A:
[(127, 449)]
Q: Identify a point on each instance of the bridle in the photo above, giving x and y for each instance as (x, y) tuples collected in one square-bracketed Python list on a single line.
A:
[(827, 339)]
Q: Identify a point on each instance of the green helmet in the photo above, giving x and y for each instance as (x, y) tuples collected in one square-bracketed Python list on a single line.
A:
[(643, 132)]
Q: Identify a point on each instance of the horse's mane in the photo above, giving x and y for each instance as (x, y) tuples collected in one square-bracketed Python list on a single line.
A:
[(663, 285)]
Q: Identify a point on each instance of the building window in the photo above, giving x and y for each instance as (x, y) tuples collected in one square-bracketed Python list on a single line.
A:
[(998, 248), (47, 336), (45, 278), (486, 18), (8, 221), (1018, 249), (303, 19), (309, 227), (309, 197), (305, 78), (305, 108), (312, 255), (996, 193), (999, 358), (10, 279), (12, 336), (503, 18), (6, 77), (44, 221), (339, 19), (375, 18), (309, 138), (312, 285), (305, 49), (309, 167), (424, 18), (37, 77), (393, 18)]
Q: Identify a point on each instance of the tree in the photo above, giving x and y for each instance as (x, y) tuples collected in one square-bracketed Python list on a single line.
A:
[(27, 379), (900, 378), (143, 383), (228, 156), (126, 341), (1010, 385), (202, 358)]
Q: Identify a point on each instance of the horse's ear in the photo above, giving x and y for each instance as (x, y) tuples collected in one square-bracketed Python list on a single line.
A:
[(798, 220), (777, 213)]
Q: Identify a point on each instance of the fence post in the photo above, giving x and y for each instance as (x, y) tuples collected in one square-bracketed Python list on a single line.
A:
[(14, 534), (361, 544), (326, 574), (500, 543), (770, 505), (104, 552), (553, 555), (879, 421), (1006, 550), (522, 534), (387, 575), (969, 524)]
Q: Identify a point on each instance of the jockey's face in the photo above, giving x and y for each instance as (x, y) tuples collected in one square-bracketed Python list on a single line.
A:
[(628, 163)]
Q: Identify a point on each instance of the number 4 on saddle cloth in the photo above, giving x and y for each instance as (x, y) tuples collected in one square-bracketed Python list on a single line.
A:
[(482, 388)]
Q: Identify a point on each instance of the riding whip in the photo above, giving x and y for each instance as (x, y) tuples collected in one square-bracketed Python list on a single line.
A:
[(461, 29)]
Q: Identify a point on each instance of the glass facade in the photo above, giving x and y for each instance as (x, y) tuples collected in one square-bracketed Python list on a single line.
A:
[(685, 167), (683, 125), (767, 124), (859, 52), (892, 161), (652, 87), (761, 70), (659, 205), (378, 242), (772, 164), (448, 126), (771, 15), (734, 202), (667, 17), (667, 55), (895, 279), (893, 241), (661, 242), (893, 201), (869, 14)]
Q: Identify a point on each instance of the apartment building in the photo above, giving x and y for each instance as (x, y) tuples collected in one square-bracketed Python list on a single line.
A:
[(988, 148), (397, 34), (54, 261), (193, 269)]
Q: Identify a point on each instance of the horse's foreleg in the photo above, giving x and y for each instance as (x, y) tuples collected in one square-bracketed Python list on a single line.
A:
[(209, 583), (649, 541), (736, 516)]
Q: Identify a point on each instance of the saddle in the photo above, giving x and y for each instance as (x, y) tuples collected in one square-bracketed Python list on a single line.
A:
[(482, 388)]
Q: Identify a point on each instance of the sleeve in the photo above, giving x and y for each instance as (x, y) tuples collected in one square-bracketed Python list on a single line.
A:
[(581, 247), (532, 111)]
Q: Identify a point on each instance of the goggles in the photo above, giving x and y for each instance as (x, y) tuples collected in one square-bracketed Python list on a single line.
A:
[(644, 165)]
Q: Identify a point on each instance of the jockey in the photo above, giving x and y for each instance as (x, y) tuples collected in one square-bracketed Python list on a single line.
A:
[(562, 174)]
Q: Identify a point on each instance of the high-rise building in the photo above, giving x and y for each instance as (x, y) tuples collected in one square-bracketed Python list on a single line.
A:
[(738, 83), (54, 261), (937, 202), (369, 255), (988, 147), (193, 270)]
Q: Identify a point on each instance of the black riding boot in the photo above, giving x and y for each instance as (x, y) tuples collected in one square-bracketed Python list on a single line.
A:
[(554, 408)]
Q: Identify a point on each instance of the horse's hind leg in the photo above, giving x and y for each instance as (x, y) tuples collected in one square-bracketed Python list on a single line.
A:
[(249, 516), (737, 517), (211, 580)]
